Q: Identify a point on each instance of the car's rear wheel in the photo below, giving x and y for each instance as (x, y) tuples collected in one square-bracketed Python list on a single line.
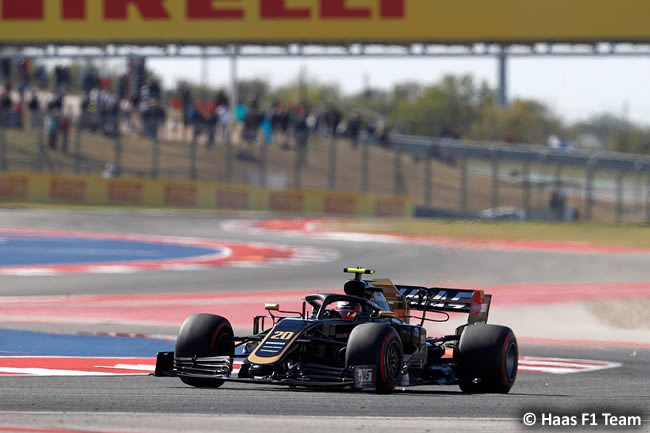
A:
[(204, 335), (377, 345), (487, 357)]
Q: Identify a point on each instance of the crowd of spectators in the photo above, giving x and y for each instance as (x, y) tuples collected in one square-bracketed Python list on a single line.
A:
[(22, 90), (291, 125), (134, 103)]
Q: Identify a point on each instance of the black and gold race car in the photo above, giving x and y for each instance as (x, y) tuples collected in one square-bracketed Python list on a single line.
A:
[(368, 339)]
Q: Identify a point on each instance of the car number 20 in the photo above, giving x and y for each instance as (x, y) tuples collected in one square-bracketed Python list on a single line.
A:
[(282, 335)]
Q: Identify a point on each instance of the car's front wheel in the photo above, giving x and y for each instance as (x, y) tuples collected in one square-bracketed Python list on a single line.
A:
[(377, 345), (204, 335)]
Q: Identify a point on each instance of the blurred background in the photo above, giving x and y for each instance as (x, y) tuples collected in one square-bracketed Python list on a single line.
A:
[(538, 123)]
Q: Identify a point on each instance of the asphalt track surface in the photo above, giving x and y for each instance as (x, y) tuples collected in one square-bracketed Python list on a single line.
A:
[(102, 402)]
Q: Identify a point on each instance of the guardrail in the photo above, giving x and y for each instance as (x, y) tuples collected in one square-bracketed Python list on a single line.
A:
[(460, 151), (426, 146)]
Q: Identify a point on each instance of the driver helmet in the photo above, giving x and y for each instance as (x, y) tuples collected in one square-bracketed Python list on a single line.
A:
[(347, 310)]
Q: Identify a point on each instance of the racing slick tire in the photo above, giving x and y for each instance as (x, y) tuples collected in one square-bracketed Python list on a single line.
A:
[(204, 335), (487, 357), (378, 345)]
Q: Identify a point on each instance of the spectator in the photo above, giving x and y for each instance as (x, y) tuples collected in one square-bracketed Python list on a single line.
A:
[(61, 79), (383, 133), (136, 79), (153, 116), (5, 70), (223, 115), (18, 114), (127, 111), (252, 122), (23, 82), (154, 89), (266, 127), (240, 112), (5, 106), (41, 77), (11, 114), (56, 103), (89, 81), (279, 123), (90, 111), (197, 120), (557, 204), (211, 121), (285, 124), (52, 127), (34, 107), (122, 87), (332, 119), (64, 127), (111, 114), (185, 95), (222, 100), (175, 117), (301, 131), (354, 129)]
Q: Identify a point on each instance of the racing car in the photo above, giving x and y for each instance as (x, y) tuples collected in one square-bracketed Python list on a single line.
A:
[(371, 338)]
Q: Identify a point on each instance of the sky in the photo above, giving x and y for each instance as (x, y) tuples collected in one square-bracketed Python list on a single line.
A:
[(575, 88)]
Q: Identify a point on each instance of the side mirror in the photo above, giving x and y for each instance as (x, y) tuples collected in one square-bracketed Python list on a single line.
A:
[(272, 307), (388, 315)]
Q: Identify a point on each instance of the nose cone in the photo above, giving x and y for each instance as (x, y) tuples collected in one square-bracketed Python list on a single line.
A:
[(257, 370)]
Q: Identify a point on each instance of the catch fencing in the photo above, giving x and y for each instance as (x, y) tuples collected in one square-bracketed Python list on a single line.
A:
[(443, 178)]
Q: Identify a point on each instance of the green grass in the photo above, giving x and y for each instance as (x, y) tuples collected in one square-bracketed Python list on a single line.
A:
[(630, 235)]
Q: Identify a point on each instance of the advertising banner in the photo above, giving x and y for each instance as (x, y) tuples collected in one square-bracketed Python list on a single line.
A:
[(14, 188), (127, 192), (274, 21)]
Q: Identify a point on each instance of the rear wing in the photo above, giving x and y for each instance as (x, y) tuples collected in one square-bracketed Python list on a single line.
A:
[(438, 299)]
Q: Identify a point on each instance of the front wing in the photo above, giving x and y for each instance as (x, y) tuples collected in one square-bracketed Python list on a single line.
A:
[(220, 368)]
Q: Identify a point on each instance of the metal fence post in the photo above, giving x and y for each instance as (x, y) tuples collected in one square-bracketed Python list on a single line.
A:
[(77, 148), (525, 178), (40, 151), (3, 147), (638, 187), (229, 154), (331, 165), (365, 155), (589, 188), (297, 168), (463, 183), (193, 159), (540, 197), (118, 153), (558, 182), (398, 187), (155, 156), (647, 199), (495, 178), (502, 59), (428, 180), (558, 174), (619, 196), (263, 163)]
